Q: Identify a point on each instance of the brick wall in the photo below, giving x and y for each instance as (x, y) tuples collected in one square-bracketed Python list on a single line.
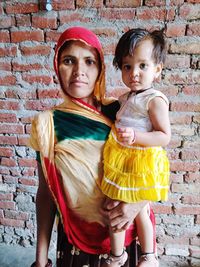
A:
[(28, 84)]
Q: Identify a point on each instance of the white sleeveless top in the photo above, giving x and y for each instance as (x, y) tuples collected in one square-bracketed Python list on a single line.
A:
[(134, 110)]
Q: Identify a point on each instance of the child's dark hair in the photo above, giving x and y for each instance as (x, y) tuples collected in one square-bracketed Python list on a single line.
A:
[(132, 38)]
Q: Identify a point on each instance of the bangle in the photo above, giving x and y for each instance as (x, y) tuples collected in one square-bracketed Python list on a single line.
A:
[(49, 264), (134, 138)]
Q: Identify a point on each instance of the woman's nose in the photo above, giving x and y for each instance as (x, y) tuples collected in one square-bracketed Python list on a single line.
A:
[(79, 69)]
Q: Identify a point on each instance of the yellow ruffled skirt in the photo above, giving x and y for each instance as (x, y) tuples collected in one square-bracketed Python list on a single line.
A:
[(134, 173)]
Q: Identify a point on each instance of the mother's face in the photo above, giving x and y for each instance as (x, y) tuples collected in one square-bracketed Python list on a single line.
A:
[(79, 69)]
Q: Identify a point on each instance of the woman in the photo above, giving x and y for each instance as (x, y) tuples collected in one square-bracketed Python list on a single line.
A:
[(69, 141)]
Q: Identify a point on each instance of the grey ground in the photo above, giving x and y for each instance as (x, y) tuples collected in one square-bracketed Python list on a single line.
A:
[(17, 256)]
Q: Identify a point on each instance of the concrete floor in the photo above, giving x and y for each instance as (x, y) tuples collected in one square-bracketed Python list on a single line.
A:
[(17, 256)]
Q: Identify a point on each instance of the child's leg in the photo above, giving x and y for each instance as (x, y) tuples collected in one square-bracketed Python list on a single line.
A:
[(145, 231), (117, 242), (118, 255)]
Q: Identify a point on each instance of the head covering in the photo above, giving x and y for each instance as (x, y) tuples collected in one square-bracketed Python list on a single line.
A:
[(90, 39)]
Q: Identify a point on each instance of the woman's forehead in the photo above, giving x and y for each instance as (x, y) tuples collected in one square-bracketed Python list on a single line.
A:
[(75, 47)]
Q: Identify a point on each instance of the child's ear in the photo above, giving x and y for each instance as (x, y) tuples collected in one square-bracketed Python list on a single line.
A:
[(158, 70)]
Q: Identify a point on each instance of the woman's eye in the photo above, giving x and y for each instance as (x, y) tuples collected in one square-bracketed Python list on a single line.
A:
[(68, 61), (90, 61)]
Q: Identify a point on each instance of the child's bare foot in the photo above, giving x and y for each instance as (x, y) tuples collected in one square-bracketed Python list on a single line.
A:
[(148, 260), (116, 261)]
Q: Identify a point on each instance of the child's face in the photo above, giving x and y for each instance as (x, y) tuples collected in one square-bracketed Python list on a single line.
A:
[(79, 70), (139, 70)]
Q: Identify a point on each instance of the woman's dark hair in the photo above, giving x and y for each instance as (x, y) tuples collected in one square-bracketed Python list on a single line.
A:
[(132, 38)]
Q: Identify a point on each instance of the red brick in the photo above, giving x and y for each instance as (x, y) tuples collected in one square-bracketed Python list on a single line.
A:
[(186, 209), (7, 205), (195, 241), (23, 20), (20, 94), (179, 165), (8, 51), (185, 47), (183, 106), (192, 90), (23, 140), (188, 154), (37, 105), (6, 22), (197, 221), (153, 13), (16, 215), (8, 140), (194, 252), (161, 209), (8, 80), (180, 118), (35, 50), (21, 36), (49, 93), (122, 4), (176, 178), (193, 29), (117, 13), (173, 240), (189, 12), (68, 18), (11, 222), (6, 152), (11, 129), (6, 196), (52, 36), (29, 172), (4, 171), (109, 49), (5, 66), (177, 77), (177, 61), (27, 162), (8, 179), (26, 67), (105, 32), (190, 199), (175, 142), (192, 177), (8, 162), (60, 5), (37, 79), (8, 117), (175, 30), (44, 22), (184, 188), (4, 37), (28, 181), (21, 8), (163, 2)]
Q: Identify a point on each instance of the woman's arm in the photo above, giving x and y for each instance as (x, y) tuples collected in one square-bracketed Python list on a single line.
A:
[(45, 211)]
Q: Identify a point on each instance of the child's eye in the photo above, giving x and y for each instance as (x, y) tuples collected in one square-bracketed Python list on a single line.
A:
[(126, 67), (143, 66)]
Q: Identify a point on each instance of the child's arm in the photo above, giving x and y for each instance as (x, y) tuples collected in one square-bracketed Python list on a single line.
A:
[(160, 136)]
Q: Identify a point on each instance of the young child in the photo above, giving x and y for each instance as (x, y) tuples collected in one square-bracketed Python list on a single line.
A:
[(136, 167)]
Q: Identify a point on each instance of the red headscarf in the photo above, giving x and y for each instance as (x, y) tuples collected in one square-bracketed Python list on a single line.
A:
[(90, 39)]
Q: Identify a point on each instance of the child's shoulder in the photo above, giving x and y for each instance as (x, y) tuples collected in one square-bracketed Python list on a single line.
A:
[(152, 93)]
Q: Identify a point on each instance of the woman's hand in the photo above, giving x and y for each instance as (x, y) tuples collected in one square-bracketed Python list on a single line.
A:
[(120, 215)]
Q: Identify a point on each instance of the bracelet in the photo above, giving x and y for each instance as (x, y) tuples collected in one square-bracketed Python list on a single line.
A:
[(49, 264), (134, 138)]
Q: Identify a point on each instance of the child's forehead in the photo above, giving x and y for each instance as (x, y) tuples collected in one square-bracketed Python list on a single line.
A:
[(144, 48)]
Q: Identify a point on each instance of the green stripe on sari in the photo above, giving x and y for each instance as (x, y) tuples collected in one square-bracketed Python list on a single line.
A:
[(73, 126)]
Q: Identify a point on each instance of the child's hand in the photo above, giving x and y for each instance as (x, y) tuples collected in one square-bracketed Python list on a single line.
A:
[(126, 135)]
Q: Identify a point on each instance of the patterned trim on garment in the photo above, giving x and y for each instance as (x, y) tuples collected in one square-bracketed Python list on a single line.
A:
[(132, 188)]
